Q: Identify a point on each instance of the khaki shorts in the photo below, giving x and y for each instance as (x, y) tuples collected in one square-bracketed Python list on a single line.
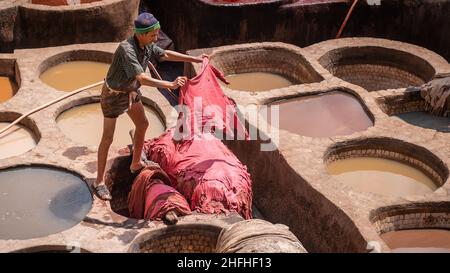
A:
[(115, 103)]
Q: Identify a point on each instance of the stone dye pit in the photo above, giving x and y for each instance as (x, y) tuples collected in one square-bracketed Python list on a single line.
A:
[(417, 240), (409, 107), (9, 79), (384, 169), (419, 227), (376, 68), (381, 176), (256, 81), (425, 120), (328, 114), (38, 201), (7, 89), (83, 124), (16, 141), (74, 75), (262, 67)]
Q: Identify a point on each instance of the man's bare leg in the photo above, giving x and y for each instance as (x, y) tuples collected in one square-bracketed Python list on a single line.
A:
[(109, 126), (137, 115)]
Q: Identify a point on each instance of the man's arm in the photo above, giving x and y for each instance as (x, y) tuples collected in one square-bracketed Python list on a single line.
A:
[(179, 57), (144, 79)]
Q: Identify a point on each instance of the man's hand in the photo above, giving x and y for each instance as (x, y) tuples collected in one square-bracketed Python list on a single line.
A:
[(199, 59), (178, 82)]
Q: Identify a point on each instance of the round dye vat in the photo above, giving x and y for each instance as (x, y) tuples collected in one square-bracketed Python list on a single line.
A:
[(84, 124), (323, 115), (73, 75), (257, 81), (381, 176), (418, 240), (15, 141), (425, 120), (7, 89), (39, 201)]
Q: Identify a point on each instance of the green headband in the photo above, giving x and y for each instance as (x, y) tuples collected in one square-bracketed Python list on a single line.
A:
[(147, 29)]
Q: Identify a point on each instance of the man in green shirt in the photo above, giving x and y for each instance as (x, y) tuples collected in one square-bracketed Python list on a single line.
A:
[(121, 94)]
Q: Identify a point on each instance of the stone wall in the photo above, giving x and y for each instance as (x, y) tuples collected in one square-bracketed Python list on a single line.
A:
[(26, 25), (196, 24)]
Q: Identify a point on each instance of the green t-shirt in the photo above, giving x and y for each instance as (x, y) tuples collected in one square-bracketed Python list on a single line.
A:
[(130, 60)]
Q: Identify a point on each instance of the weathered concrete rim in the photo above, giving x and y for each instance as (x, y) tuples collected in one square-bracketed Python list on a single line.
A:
[(394, 149), (154, 234), (421, 215)]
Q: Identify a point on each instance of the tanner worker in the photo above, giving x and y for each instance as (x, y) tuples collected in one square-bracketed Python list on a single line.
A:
[(121, 94)]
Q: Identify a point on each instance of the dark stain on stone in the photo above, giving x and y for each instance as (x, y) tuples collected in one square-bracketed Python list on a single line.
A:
[(74, 152), (91, 166), (128, 236)]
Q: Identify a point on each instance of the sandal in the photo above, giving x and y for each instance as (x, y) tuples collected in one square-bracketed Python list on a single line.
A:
[(102, 192)]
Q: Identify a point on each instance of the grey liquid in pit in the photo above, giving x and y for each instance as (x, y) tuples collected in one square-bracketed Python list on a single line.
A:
[(84, 125), (73, 75), (381, 176), (15, 141), (39, 201), (256, 81), (418, 240), (323, 115), (426, 120)]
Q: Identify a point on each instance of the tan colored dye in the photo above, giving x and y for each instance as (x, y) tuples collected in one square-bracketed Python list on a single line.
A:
[(38, 201), (381, 176), (73, 75), (6, 89), (257, 81), (15, 141), (84, 124), (323, 115), (418, 240)]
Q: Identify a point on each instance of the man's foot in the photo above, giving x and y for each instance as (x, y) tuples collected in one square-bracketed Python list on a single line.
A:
[(102, 192), (137, 168), (170, 218)]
